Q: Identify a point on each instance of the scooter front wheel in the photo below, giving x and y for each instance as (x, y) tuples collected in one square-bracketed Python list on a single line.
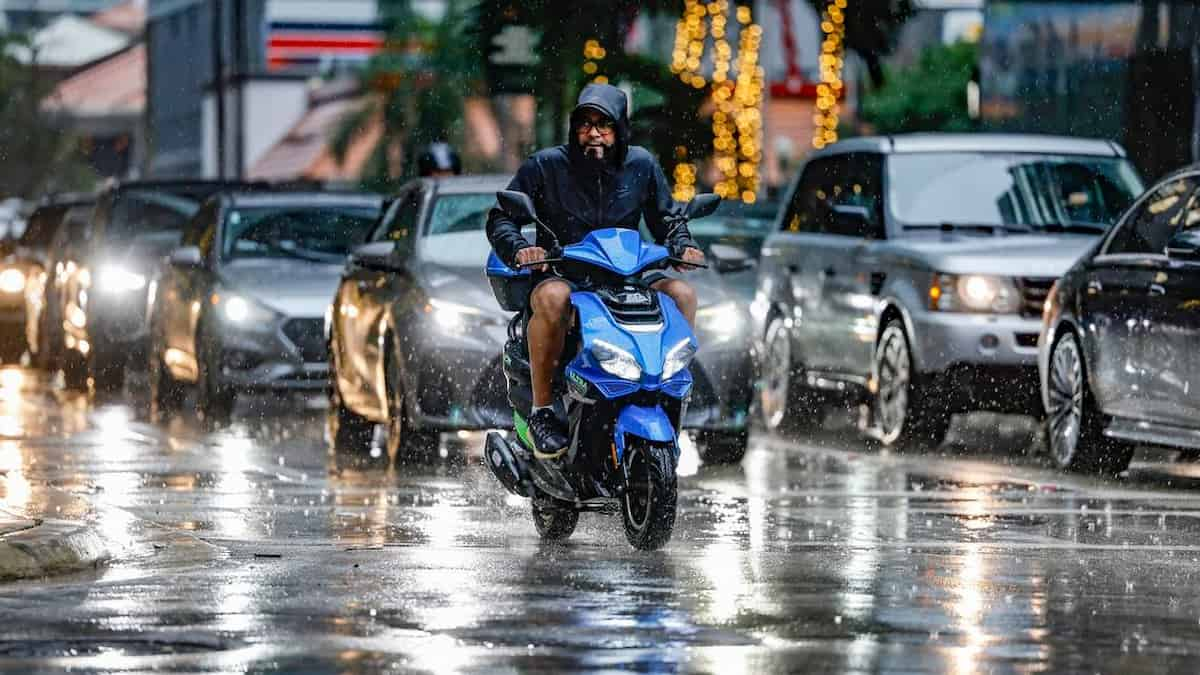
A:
[(554, 521), (648, 509)]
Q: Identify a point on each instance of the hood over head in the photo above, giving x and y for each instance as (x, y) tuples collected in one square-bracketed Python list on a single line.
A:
[(610, 101)]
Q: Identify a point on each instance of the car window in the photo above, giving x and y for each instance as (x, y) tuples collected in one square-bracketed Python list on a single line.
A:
[(400, 225), (136, 212), (317, 233), (1171, 209), (456, 233), (199, 225), (852, 179), (42, 225)]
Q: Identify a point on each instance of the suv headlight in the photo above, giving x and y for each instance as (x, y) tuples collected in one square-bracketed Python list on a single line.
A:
[(678, 358), (12, 280), (243, 311), (456, 319), (616, 361), (118, 279), (974, 293), (723, 321)]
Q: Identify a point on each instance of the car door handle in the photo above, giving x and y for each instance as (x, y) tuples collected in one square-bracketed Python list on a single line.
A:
[(1157, 289)]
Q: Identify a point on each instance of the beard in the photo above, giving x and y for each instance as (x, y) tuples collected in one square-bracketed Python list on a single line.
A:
[(595, 151)]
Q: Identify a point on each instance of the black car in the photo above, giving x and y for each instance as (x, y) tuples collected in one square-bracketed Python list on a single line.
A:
[(1117, 354), (55, 222), (134, 226)]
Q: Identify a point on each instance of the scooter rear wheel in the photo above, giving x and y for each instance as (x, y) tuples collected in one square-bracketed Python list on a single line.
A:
[(648, 510), (554, 521)]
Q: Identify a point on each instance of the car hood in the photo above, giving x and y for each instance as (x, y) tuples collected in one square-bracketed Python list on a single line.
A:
[(1043, 255), (292, 287)]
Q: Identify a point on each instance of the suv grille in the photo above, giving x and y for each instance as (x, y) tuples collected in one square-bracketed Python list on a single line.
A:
[(1034, 291), (308, 336)]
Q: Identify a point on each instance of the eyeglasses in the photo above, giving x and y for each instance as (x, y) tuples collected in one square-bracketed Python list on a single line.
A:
[(603, 126)]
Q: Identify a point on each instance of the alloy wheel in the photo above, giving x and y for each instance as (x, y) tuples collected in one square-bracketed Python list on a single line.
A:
[(777, 371), (1065, 398), (894, 376)]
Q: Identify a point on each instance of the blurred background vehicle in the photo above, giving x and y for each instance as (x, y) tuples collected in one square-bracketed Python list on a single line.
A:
[(1117, 356), (416, 335), (135, 224), (56, 220), (909, 273), (14, 270), (737, 227), (240, 305)]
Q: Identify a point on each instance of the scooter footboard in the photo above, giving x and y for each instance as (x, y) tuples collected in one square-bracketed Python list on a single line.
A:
[(650, 423)]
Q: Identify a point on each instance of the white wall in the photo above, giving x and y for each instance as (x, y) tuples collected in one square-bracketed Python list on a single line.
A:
[(272, 106)]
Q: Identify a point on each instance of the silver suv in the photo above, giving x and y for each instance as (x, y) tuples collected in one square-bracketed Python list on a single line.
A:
[(909, 273)]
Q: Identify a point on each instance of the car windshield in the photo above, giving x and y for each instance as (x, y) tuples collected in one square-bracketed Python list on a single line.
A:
[(302, 231), (138, 212), (736, 224), (455, 235), (1014, 191)]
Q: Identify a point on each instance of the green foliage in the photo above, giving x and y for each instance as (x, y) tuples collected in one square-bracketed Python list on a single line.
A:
[(930, 96), (35, 154)]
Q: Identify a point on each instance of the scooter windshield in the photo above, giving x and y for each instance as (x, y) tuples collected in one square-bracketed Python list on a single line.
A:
[(617, 250)]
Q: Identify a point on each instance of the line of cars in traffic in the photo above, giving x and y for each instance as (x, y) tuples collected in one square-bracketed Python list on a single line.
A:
[(924, 275)]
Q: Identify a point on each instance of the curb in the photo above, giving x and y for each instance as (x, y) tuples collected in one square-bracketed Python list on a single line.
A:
[(48, 547)]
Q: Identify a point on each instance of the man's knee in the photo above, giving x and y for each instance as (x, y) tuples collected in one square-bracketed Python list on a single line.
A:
[(551, 299), (680, 291)]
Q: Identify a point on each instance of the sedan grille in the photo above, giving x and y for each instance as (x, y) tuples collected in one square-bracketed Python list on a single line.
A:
[(308, 336), (1034, 291)]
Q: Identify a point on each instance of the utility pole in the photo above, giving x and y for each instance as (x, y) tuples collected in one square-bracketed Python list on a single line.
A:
[(219, 82), (238, 75)]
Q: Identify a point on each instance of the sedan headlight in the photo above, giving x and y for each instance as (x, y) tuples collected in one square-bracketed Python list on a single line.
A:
[(616, 361), (117, 279), (723, 321), (12, 280), (243, 311), (974, 293), (455, 319), (678, 358)]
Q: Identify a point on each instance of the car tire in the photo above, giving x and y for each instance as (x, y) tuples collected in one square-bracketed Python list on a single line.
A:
[(784, 403), (1074, 425), (724, 447), (904, 410), (214, 400), (12, 346), (166, 393), (405, 444), (75, 371), (107, 371)]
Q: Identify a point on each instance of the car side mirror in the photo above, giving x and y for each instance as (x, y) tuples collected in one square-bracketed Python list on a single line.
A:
[(379, 256), (730, 259), (517, 205), (702, 205), (1184, 245), (854, 221), (187, 257)]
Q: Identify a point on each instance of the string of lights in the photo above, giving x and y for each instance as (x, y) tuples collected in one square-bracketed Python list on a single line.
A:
[(831, 87)]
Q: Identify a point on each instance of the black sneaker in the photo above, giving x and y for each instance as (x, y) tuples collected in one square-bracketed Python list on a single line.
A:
[(549, 437)]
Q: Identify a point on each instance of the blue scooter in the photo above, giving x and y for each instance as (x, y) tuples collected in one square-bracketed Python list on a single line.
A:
[(622, 391)]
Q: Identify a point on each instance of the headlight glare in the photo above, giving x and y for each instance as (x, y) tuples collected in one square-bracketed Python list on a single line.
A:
[(453, 318), (616, 361), (724, 320), (241, 310), (974, 293), (12, 280), (678, 358), (117, 279)]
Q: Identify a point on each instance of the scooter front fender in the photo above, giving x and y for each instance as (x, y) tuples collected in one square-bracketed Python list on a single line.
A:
[(651, 424)]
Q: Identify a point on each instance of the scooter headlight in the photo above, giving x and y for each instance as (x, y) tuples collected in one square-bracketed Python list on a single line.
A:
[(678, 358), (616, 361)]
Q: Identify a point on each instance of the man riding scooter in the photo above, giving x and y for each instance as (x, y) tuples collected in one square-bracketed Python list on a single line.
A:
[(595, 181)]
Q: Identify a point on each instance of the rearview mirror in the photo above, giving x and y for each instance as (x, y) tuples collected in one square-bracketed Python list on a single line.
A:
[(702, 205), (851, 221), (378, 256), (730, 258), (187, 257), (517, 205)]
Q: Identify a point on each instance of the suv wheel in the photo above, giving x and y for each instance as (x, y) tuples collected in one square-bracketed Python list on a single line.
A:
[(107, 371), (903, 411), (1074, 426), (166, 393), (784, 403), (75, 371), (404, 443), (214, 399)]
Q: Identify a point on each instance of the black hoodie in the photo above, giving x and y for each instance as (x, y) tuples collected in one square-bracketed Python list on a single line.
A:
[(574, 194)]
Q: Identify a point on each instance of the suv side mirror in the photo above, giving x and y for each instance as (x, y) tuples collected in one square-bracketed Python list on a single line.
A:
[(378, 256), (730, 259), (702, 205), (852, 221), (1184, 245), (517, 205), (187, 257)]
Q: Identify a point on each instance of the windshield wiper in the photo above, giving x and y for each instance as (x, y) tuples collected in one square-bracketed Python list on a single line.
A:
[(977, 227), (303, 254)]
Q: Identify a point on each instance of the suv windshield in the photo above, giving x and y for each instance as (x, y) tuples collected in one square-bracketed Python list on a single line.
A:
[(137, 212), (1015, 191), (455, 235), (305, 232)]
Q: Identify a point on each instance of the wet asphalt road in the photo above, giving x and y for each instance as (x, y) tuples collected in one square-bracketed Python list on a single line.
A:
[(254, 549)]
